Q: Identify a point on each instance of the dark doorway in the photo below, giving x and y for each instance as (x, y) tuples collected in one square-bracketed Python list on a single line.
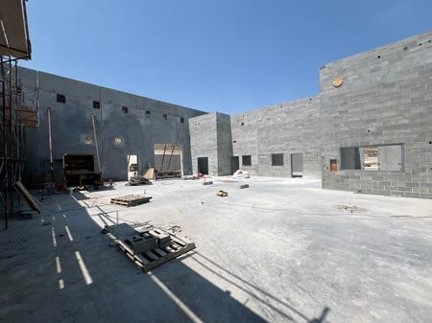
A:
[(203, 165), (235, 164), (297, 165)]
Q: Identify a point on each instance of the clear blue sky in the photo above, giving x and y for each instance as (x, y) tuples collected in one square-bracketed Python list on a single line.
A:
[(220, 55)]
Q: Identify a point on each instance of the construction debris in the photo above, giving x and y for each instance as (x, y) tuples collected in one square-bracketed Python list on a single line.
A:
[(151, 248), (241, 173), (150, 174), (189, 177), (243, 186), (139, 180), (350, 208), (222, 193), (131, 200), (20, 188)]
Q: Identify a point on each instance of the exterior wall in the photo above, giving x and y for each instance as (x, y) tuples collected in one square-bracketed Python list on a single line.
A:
[(224, 143), (386, 98), (285, 128), (203, 133), (211, 138), (72, 123)]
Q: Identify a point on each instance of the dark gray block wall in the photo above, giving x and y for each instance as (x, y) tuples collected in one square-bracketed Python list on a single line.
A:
[(386, 98), (286, 129), (211, 138), (224, 143), (119, 134)]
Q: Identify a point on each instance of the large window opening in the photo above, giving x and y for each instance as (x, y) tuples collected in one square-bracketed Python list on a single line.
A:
[(167, 160), (373, 158)]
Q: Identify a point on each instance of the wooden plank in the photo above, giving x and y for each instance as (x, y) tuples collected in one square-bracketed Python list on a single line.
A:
[(151, 255), (20, 188), (169, 257), (160, 252), (158, 256), (142, 259)]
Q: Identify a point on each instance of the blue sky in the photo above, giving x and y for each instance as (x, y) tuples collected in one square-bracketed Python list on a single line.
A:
[(220, 55)]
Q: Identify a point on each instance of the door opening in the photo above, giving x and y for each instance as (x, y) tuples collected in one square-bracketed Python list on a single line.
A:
[(235, 164), (297, 165), (203, 165), (132, 166)]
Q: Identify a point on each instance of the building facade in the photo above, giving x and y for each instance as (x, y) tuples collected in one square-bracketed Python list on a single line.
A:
[(368, 130), (86, 117)]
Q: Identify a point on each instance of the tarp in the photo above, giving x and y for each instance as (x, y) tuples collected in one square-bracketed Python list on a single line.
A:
[(14, 39)]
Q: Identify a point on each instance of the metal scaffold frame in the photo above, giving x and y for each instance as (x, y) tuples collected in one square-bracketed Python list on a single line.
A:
[(11, 134), (14, 45)]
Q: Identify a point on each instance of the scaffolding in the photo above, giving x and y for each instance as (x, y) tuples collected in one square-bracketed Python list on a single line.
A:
[(14, 45)]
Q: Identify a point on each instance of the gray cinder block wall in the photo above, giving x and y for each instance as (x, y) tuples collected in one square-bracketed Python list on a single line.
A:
[(385, 99), (211, 138), (126, 125), (286, 128)]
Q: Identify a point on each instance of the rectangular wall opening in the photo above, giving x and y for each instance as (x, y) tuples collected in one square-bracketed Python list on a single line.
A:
[(373, 158), (277, 159), (132, 166), (246, 160), (167, 160), (235, 164), (333, 165), (203, 165), (297, 165)]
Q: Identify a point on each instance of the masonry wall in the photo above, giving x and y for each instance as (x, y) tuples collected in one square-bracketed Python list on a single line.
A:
[(286, 128), (147, 122), (386, 98), (203, 133), (211, 138)]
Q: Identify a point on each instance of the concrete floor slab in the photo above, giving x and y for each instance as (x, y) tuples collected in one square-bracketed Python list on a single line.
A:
[(281, 250)]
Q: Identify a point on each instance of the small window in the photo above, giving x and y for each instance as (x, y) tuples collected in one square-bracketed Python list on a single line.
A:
[(148, 114), (247, 160), (125, 109), (277, 159), (165, 117), (333, 165), (61, 98), (181, 120), (96, 105)]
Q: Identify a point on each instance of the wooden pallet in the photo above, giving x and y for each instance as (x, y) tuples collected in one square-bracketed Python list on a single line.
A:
[(131, 200), (153, 258)]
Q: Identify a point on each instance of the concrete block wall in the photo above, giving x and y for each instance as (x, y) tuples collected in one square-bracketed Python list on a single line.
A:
[(203, 134), (224, 143), (211, 138), (386, 98), (137, 129), (286, 128)]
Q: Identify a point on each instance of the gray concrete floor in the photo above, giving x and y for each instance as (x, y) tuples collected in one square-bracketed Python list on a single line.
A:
[(282, 250)]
